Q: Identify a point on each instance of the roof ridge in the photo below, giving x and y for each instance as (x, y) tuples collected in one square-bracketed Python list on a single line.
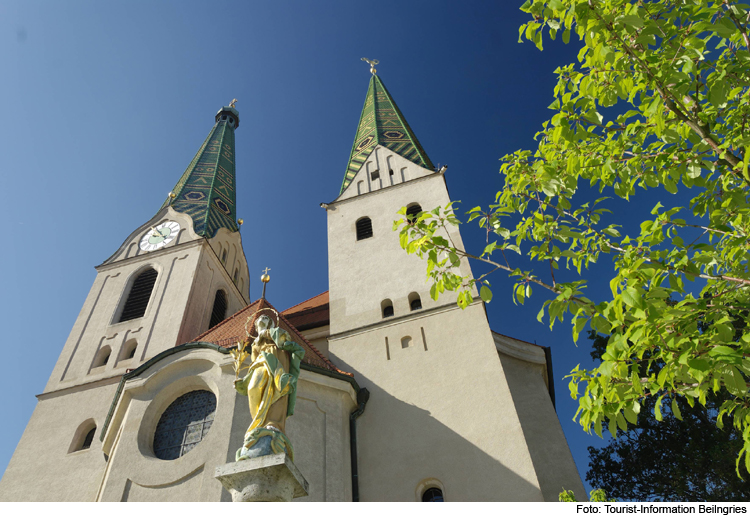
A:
[(313, 348), (225, 320), (305, 301)]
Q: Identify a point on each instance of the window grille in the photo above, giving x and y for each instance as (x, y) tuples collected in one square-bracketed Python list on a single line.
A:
[(364, 228), (184, 424), (140, 293), (219, 310)]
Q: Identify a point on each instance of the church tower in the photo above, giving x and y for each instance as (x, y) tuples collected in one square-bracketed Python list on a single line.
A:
[(180, 273), (456, 411)]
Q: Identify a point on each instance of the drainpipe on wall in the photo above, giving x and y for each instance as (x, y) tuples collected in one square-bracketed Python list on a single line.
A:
[(362, 396)]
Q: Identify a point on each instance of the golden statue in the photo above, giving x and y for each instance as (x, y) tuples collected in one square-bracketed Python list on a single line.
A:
[(270, 386)]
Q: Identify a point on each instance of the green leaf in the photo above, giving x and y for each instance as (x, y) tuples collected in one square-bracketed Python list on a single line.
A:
[(630, 297), (485, 294), (657, 408), (676, 410)]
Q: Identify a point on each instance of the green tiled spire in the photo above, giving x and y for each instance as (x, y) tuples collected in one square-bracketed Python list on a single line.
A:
[(382, 123), (206, 191)]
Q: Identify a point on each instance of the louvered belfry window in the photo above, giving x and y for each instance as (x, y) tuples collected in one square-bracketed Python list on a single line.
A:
[(219, 311), (412, 211), (364, 228), (140, 293)]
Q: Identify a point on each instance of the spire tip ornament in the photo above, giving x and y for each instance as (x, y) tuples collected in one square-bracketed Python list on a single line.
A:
[(372, 63), (232, 103), (265, 278)]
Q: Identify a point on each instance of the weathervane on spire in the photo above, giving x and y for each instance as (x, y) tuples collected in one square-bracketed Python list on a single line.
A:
[(231, 103), (372, 63)]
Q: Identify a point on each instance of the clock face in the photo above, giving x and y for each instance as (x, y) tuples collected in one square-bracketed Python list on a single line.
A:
[(159, 236)]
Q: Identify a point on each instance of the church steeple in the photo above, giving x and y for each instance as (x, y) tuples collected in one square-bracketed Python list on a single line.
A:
[(206, 191), (382, 123)]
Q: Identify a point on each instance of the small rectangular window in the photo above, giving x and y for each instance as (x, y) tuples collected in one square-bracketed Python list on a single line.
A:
[(375, 175)]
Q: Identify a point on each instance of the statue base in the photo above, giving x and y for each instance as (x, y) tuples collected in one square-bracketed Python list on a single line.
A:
[(271, 478)]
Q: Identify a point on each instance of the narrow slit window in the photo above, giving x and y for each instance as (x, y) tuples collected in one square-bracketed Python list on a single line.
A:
[(219, 310), (364, 228), (140, 294)]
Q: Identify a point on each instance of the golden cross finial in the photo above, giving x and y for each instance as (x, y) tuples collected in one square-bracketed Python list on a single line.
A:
[(265, 279), (231, 103), (372, 63)]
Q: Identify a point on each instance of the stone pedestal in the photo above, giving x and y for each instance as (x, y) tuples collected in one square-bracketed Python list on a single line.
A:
[(271, 478)]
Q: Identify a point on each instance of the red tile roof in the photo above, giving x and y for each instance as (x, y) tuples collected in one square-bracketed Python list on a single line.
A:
[(315, 301), (234, 329)]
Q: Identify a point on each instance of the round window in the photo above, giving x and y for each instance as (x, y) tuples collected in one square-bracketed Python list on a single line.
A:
[(184, 424)]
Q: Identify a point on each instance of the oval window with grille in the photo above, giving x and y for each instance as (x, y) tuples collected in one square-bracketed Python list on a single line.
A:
[(184, 424)]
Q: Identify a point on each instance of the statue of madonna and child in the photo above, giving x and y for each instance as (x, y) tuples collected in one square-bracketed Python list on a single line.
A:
[(270, 386)]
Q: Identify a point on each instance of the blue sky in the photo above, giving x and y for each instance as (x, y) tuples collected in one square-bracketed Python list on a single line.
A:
[(104, 105)]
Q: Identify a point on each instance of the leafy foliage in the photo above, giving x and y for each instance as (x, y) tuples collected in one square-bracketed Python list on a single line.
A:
[(598, 495), (675, 77), (672, 460)]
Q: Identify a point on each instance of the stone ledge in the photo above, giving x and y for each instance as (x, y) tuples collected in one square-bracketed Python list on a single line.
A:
[(272, 478)]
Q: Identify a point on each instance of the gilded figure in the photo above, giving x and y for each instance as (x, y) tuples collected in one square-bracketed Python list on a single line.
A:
[(270, 386)]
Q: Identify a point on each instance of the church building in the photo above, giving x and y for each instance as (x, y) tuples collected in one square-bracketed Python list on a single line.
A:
[(399, 397)]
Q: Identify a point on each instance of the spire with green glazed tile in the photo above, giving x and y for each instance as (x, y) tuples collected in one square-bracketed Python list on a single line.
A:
[(382, 123), (206, 191)]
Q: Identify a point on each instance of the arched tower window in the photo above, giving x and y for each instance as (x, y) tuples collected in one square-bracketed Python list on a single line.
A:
[(83, 437), (236, 275), (224, 256), (140, 294), (88, 439), (364, 228), (415, 302), (218, 313), (128, 350), (386, 307), (102, 357), (433, 495), (412, 211)]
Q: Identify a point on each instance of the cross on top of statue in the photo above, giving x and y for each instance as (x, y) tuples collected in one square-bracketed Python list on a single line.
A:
[(265, 278)]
